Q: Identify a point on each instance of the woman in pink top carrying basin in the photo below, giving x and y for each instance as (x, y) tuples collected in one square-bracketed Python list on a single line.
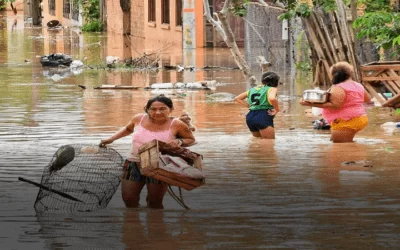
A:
[(345, 110), (155, 123)]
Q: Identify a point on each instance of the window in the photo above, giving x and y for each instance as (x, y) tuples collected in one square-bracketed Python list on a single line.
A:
[(165, 11), (66, 8), (52, 7), (152, 11), (178, 14)]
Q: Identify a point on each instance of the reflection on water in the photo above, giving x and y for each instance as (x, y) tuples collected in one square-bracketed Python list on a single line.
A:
[(298, 191)]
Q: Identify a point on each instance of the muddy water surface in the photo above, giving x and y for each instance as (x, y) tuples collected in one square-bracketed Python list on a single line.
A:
[(298, 191)]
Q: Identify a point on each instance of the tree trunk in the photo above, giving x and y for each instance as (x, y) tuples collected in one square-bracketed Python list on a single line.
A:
[(232, 45), (222, 26)]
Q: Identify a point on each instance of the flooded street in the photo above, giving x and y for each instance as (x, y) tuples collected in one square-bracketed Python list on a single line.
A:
[(298, 191)]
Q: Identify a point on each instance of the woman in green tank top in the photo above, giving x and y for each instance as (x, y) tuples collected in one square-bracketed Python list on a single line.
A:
[(263, 105)]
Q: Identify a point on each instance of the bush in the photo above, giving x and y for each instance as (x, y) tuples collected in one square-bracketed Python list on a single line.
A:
[(93, 26)]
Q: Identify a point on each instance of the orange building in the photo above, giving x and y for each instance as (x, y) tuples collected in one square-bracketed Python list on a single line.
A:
[(64, 11), (155, 25), (147, 26)]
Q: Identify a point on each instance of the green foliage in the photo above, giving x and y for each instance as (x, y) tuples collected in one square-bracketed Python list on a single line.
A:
[(376, 5), (93, 26), (381, 25), (303, 10), (328, 5), (91, 15), (296, 9), (91, 9), (303, 66), (303, 53), (3, 3), (238, 7)]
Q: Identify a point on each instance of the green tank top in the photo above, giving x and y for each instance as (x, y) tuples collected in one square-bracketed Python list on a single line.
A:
[(257, 97)]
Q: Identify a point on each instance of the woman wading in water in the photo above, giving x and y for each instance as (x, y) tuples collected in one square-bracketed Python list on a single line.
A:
[(344, 110), (155, 123)]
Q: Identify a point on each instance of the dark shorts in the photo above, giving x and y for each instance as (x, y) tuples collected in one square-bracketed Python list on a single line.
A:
[(259, 119), (132, 173)]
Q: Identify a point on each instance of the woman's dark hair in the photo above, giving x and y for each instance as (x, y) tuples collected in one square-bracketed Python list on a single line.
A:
[(270, 79), (341, 72), (160, 98)]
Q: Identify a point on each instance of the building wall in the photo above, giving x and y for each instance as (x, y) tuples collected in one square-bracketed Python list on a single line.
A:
[(158, 35), (58, 15), (144, 36), (138, 35), (114, 16)]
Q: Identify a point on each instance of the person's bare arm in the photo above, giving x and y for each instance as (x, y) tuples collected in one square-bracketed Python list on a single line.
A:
[(124, 131), (241, 99), (184, 136), (336, 100), (273, 99), (367, 96)]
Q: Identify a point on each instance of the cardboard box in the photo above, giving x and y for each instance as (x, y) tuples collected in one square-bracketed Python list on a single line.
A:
[(149, 164)]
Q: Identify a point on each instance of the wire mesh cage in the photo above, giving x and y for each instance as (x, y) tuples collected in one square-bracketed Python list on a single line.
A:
[(79, 178)]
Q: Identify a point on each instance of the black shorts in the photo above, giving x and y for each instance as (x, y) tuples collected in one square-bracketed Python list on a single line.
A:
[(131, 172), (259, 119)]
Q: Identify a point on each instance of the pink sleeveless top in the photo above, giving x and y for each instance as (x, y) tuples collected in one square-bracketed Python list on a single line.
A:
[(142, 135), (353, 104)]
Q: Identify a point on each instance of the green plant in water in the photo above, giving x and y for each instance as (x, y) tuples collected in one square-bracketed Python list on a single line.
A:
[(94, 26)]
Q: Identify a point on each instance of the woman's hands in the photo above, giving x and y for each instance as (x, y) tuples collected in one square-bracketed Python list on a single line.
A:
[(177, 142), (272, 112), (104, 142), (241, 99), (127, 130), (305, 103), (183, 135)]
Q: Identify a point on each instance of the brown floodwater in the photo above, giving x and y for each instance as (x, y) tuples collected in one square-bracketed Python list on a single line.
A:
[(298, 191)]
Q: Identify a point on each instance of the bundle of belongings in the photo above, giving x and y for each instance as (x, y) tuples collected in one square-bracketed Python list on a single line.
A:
[(174, 165), (179, 166), (321, 124)]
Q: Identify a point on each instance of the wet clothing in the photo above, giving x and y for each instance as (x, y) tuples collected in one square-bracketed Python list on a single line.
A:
[(131, 172), (142, 136), (353, 105), (257, 98), (357, 124), (258, 117)]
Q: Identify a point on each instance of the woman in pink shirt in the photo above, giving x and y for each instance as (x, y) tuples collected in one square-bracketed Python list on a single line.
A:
[(344, 110), (155, 123)]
